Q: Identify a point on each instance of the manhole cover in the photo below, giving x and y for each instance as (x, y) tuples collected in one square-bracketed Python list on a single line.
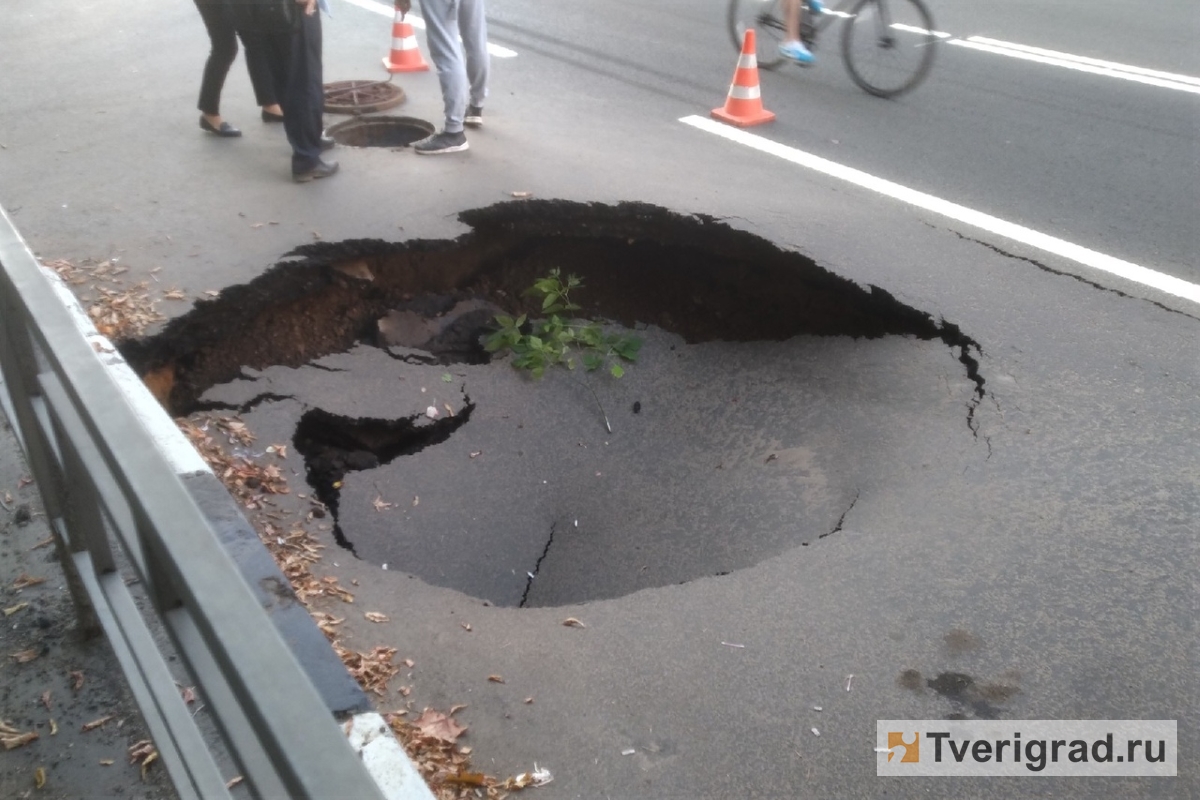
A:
[(380, 131), (362, 97)]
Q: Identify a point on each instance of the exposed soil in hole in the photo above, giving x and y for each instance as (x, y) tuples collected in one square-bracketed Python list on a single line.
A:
[(694, 276), (380, 131), (739, 434)]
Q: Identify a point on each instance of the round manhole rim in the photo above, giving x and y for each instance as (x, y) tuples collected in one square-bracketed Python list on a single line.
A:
[(362, 124)]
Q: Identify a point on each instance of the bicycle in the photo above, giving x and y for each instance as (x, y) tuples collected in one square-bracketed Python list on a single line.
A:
[(887, 45)]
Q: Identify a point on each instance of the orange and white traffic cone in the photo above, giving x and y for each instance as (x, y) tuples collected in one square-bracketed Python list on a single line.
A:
[(743, 107), (405, 55)]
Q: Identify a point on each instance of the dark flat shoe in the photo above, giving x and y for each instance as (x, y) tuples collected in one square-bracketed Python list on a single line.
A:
[(226, 130), (323, 169), (267, 116)]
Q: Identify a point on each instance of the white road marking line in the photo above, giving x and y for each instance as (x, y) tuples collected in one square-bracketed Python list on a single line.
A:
[(1095, 62), (1080, 64), (390, 12), (1051, 244), (900, 26)]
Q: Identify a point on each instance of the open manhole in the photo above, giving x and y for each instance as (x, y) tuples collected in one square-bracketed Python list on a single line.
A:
[(769, 395), (362, 97), (380, 131)]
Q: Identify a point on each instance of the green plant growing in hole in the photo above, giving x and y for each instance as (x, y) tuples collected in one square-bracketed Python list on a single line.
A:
[(557, 340)]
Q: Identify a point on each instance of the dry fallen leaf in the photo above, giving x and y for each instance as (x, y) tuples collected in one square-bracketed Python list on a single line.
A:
[(39, 777), (408, 662), (375, 616), (17, 740), (96, 723), (521, 194), (466, 626), (150, 759), (232, 782), (380, 504), (25, 656), (46, 699), (495, 678), (76, 679), (476, 453), (174, 294), (528, 700), (439, 726), (25, 580), (145, 752), (416, 501), (107, 762), (8, 612), (571, 622), (454, 709), (188, 693), (466, 779), (53, 727)]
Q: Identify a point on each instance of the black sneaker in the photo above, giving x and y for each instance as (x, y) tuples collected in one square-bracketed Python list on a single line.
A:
[(442, 142), (474, 117), (323, 169)]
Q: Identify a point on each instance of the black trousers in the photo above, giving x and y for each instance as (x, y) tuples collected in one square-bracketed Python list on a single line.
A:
[(295, 65), (220, 58)]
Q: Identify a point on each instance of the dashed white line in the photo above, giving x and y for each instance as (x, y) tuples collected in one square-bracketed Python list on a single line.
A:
[(390, 12), (977, 219)]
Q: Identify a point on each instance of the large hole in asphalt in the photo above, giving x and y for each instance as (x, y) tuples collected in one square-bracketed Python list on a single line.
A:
[(767, 390)]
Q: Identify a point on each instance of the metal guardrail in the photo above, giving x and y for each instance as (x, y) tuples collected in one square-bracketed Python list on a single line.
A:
[(103, 479)]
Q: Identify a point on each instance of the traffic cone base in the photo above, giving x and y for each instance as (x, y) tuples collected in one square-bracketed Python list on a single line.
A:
[(743, 106), (405, 55)]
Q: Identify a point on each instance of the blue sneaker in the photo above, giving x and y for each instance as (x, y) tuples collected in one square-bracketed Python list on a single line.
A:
[(796, 51), (816, 6)]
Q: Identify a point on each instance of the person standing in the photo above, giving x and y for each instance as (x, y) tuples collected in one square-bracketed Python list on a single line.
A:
[(290, 37), (462, 68), (224, 48)]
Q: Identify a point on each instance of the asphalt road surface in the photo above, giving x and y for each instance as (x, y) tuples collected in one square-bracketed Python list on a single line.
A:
[(1037, 562)]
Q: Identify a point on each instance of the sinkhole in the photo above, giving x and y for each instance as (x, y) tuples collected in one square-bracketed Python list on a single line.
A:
[(768, 397), (381, 131)]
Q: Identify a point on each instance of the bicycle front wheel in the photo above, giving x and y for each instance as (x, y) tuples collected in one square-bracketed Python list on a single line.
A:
[(766, 17), (888, 45)]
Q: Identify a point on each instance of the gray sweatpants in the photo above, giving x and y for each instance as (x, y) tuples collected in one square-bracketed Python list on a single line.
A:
[(462, 68)]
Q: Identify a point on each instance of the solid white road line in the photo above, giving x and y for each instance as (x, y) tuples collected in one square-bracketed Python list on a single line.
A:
[(1050, 244), (1079, 63), (390, 12)]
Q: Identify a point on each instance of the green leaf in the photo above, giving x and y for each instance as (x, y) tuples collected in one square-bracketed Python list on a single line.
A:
[(519, 321), (617, 371), (504, 321), (591, 361), (447, 377)]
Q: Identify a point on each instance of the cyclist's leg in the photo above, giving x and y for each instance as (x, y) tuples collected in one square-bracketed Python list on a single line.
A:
[(792, 47)]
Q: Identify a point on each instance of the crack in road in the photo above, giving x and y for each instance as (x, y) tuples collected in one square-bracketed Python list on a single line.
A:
[(1065, 274), (842, 519), (537, 567)]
